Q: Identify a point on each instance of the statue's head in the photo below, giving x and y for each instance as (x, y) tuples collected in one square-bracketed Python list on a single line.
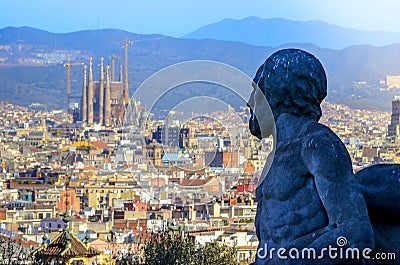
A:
[(293, 81)]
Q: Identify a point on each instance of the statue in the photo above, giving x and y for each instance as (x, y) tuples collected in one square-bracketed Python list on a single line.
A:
[(310, 198)]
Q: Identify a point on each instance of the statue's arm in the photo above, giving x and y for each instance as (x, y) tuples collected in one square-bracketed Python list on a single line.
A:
[(329, 162)]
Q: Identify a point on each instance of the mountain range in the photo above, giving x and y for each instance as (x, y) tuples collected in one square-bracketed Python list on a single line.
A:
[(32, 71), (278, 31)]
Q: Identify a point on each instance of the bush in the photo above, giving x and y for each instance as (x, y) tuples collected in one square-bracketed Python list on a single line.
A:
[(174, 249)]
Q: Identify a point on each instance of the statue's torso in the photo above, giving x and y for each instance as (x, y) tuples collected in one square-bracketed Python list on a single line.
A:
[(289, 206)]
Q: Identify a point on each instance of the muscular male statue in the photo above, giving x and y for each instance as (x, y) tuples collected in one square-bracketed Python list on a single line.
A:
[(309, 199)]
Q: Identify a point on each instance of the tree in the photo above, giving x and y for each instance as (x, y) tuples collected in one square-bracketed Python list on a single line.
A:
[(177, 249), (11, 252)]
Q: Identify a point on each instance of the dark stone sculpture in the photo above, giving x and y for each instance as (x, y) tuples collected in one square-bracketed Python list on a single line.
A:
[(310, 199)]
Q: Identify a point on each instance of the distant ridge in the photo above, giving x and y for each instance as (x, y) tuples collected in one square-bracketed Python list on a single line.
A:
[(31, 64), (277, 31)]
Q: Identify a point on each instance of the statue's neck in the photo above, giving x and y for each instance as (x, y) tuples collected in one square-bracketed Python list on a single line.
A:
[(289, 128)]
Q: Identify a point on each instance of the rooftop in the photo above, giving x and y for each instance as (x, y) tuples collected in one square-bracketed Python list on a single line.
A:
[(67, 245)]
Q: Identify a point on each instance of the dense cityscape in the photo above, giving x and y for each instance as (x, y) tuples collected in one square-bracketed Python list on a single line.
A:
[(117, 188)]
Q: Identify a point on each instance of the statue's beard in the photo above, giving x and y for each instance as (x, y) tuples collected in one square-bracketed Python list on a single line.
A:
[(254, 126), (255, 129)]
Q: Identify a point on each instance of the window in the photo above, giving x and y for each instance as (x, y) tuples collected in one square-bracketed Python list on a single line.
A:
[(48, 215), (40, 215), (29, 216)]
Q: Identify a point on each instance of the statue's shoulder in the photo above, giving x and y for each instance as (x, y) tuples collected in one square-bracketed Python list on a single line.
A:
[(325, 155), (321, 138), (315, 130)]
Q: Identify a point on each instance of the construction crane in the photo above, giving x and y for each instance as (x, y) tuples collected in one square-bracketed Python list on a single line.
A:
[(113, 57), (68, 65), (126, 44)]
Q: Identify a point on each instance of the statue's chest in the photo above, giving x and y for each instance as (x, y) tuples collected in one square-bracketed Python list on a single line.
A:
[(287, 174)]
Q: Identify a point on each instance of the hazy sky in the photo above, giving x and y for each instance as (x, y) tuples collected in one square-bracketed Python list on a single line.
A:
[(178, 17)]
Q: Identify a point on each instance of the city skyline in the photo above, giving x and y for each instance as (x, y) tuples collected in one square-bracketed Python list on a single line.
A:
[(177, 18)]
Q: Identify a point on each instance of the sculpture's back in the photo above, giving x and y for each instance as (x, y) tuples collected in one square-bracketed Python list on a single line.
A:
[(380, 185)]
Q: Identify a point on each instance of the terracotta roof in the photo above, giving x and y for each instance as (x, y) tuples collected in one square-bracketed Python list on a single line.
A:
[(100, 145), (31, 148), (200, 170), (59, 247), (20, 241), (249, 168), (196, 182), (16, 185), (100, 245), (202, 233)]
